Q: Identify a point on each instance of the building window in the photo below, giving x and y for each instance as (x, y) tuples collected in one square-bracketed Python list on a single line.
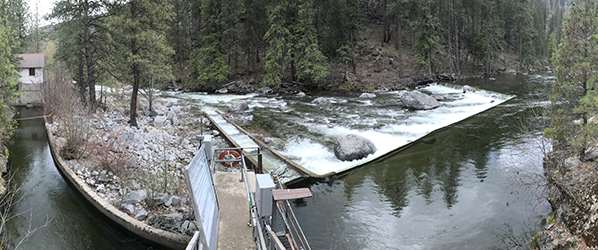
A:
[(31, 71)]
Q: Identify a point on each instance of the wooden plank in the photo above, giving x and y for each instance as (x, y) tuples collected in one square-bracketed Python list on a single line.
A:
[(290, 194)]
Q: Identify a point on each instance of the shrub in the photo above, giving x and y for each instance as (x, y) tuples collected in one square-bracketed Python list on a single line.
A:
[(76, 133)]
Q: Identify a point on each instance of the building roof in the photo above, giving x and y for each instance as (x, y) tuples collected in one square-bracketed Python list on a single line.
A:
[(36, 60)]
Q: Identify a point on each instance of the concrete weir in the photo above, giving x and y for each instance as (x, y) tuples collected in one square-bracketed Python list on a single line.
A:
[(392, 142), (157, 236)]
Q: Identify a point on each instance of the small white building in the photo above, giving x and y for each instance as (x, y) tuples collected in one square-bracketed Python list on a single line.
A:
[(31, 71)]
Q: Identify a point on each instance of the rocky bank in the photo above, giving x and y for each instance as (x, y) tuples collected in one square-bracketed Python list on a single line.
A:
[(573, 197), (138, 170)]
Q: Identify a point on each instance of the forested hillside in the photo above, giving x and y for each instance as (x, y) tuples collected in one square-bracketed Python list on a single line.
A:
[(320, 44)]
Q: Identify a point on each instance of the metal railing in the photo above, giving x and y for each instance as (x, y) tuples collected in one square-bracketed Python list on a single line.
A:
[(265, 238)]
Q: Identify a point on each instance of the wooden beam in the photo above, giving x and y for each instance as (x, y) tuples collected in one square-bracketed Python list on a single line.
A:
[(291, 194)]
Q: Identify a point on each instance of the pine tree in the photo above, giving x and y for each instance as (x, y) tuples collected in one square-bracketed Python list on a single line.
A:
[(312, 65), (276, 36), (138, 31), (573, 96), (8, 77), (210, 59), (552, 45), (255, 24), (82, 33), (179, 37), (427, 47), (293, 42), (17, 15)]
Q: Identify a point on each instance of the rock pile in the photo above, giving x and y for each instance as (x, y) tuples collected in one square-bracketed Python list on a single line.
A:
[(129, 167)]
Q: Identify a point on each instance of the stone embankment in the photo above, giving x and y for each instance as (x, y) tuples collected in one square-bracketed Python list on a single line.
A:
[(573, 197), (135, 176)]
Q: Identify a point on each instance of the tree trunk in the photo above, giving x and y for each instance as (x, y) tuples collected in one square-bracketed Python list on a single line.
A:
[(399, 47), (352, 52), (89, 57), (385, 28), (430, 64), (80, 81), (134, 68)]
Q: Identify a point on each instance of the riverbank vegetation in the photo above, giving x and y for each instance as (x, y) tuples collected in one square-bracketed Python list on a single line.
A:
[(9, 44), (571, 166)]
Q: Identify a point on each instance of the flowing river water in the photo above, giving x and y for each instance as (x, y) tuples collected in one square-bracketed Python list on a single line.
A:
[(475, 185)]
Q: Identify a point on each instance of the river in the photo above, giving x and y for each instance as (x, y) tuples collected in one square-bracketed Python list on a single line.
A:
[(475, 185)]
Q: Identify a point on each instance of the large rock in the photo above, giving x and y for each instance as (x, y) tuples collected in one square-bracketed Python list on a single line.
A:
[(367, 96), (141, 214), (467, 88), (353, 147), (419, 101), (160, 121), (265, 90), (168, 222), (156, 199), (321, 101), (423, 80), (133, 197), (238, 107)]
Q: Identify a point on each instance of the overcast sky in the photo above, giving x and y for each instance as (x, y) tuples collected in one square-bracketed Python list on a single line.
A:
[(44, 8)]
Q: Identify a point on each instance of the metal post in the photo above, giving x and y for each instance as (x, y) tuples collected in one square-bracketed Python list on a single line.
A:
[(259, 161)]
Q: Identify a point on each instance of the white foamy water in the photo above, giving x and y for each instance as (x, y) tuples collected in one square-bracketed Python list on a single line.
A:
[(389, 126)]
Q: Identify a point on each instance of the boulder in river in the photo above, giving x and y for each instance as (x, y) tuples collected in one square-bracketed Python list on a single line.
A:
[(321, 101), (467, 88), (353, 147), (419, 101), (367, 96), (238, 107)]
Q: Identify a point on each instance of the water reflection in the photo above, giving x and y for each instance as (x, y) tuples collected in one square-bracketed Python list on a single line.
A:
[(453, 190), (45, 198)]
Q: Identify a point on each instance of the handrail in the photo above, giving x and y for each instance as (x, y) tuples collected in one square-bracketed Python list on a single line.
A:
[(278, 245), (253, 220), (299, 231), (285, 205), (193, 243)]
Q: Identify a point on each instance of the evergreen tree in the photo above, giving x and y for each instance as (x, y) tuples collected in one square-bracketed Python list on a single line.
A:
[(82, 34), (210, 59), (276, 36), (8, 77), (255, 24), (427, 47), (573, 97), (179, 37), (138, 31), (293, 42), (312, 65), (17, 15), (552, 45)]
